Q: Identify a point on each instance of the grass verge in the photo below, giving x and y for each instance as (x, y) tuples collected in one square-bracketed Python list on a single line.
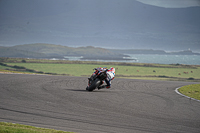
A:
[(18, 128), (192, 91)]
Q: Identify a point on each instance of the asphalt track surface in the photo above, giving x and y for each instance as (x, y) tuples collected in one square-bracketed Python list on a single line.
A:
[(130, 106)]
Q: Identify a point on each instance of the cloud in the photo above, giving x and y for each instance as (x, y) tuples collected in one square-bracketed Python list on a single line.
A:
[(172, 3)]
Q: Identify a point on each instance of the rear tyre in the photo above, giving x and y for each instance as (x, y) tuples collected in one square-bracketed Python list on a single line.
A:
[(95, 84)]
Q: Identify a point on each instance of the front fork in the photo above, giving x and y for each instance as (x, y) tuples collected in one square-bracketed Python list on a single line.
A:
[(93, 76)]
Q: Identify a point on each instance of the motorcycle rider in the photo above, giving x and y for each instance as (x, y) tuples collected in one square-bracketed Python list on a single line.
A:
[(110, 76)]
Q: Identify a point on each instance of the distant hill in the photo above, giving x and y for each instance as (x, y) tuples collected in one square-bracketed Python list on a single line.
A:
[(12, 52), (151, 51), (184, 52), (138, 51), (41, 50)]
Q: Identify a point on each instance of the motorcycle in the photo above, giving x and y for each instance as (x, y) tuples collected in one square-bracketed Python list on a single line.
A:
[(96, 80)]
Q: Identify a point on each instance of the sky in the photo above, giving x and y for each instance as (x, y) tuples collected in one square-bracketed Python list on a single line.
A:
[(170, 25)]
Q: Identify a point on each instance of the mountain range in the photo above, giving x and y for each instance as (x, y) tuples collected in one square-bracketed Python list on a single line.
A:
[(41, 50), (49, 51)]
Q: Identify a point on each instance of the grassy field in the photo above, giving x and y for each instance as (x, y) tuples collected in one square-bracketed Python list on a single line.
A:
[(191, 91), (123, 70), (18, 128)]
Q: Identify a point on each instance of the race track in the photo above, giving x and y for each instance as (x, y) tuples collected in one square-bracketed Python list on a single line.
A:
[(130, 106)]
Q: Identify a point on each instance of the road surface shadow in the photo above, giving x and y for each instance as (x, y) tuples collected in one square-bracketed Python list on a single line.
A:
[(78, 90)]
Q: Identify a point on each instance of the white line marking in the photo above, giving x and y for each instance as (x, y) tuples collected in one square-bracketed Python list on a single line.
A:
[(176, 90)]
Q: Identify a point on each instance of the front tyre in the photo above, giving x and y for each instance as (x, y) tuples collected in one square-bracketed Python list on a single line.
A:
[(95, 84)]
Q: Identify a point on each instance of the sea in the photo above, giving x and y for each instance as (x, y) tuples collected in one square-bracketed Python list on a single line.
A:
[(149, 58), (166, 59)]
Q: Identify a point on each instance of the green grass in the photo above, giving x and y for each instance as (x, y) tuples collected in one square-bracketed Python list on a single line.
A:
[(18, 128), (191, 91), (123, 70), (5, 67), (71, 69)]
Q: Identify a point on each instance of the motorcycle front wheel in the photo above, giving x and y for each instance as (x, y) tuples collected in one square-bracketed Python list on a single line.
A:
[(94, 84)]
